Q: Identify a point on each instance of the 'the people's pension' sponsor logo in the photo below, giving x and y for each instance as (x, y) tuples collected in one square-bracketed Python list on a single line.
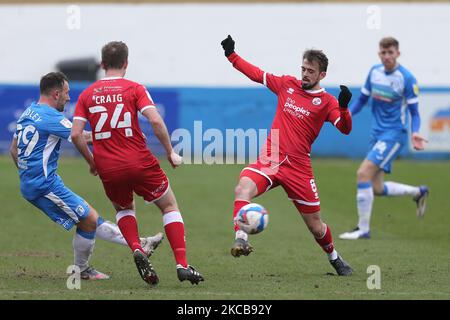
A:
[(294, 110)]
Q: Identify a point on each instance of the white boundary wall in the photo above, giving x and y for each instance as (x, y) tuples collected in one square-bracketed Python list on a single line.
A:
[(179, 45)]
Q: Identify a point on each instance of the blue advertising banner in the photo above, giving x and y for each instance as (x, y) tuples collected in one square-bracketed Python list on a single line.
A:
[(212, 119), (14, 99)]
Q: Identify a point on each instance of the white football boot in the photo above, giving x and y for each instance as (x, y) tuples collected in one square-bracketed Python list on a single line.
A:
[(149, 244), (421, 201), (355, 234)]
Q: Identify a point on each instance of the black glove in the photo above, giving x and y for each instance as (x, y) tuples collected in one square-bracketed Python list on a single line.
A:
[(344, 97), (228, 45)]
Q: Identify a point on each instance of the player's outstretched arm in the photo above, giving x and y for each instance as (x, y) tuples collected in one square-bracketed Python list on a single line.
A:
[(160, 130), (359, 104), (13, 151), (344, 124), (78, 139)]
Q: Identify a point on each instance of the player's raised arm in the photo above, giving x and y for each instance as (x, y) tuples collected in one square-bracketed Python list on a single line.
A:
[(160, 130), (252, 72), (13, 150)]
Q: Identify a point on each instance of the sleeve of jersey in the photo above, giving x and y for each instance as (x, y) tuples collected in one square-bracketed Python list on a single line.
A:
[(80, 112), (144, 100), (340, 118), (412, 100), (61, 127), (411, 91), (256, 74), (415, 117), (367, 88), (359, 104)]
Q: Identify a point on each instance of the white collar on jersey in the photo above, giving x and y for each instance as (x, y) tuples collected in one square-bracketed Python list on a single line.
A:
[(112, 78), (316, 91)]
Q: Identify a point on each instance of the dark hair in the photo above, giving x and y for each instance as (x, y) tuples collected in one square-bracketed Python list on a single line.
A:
[(51, 81), (389, 42), (317, 55), (114, 55)]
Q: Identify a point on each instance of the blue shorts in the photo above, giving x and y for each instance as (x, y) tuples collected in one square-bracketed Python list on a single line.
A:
[(62, 206), (383, 153)]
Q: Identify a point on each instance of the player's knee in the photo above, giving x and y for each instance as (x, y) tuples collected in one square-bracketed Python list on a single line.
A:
[(243, 191), (170, 208), (167, 203), (89, 224), (362, 175)]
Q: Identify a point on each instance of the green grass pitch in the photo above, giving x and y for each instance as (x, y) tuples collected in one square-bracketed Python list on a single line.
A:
[(413, 255)]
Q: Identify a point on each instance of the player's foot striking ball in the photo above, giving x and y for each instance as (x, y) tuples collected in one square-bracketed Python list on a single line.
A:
[(241, 247), (303, 107)]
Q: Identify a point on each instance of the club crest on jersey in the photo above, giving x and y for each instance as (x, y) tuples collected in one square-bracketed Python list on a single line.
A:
[(290, 91), (80, 210), (316, 101)]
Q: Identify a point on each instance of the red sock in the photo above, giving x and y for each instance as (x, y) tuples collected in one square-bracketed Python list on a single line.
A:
[(129, 229), (238, 204), (174, 227), (326, 242)]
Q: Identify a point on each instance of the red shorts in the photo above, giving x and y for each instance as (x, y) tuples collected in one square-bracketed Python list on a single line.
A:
[(294, 175), (147, 181)]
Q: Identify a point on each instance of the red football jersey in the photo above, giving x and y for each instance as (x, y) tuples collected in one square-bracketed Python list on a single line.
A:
[(300, 113), (111, 106)]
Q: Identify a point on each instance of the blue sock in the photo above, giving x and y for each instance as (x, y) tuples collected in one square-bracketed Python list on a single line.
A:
[(100, 221)]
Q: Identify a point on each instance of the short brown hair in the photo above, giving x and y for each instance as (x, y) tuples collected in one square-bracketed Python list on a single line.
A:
[(317, 55), (387, 42), (52, 80), (114, 55)]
